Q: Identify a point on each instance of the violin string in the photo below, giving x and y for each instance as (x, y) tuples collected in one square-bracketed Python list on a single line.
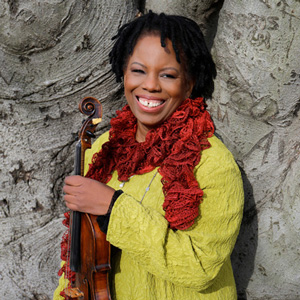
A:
[(67, 269)]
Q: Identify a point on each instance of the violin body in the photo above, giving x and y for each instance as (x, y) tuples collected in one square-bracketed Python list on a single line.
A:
[(92, 278), (90, 251)]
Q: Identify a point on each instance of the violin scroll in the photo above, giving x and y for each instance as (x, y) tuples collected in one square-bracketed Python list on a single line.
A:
[(91, 107)]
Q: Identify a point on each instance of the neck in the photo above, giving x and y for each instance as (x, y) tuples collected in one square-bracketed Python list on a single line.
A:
[(141, 132), (140, 138)]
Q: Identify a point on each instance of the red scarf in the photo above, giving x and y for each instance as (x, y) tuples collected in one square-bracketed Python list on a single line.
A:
[(175, 147)]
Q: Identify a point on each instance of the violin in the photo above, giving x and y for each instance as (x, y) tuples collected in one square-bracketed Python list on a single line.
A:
[(89, 249)]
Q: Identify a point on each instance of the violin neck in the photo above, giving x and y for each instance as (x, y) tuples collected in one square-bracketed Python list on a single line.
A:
[(77, 162), (76, 219)]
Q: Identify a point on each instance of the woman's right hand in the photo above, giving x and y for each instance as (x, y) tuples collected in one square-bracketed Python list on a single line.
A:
[(87, 195)]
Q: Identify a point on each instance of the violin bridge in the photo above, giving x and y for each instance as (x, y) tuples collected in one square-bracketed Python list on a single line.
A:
[(73, 293)]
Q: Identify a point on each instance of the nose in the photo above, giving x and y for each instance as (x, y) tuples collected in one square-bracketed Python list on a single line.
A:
[(151, 83)]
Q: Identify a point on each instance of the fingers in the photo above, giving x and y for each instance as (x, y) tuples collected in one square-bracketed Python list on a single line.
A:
[(70, 189), (72, 185), (70, 202), (74, 180), (87, 195)]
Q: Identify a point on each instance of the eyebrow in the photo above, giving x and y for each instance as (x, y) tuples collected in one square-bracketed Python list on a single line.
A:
[(163, 69)]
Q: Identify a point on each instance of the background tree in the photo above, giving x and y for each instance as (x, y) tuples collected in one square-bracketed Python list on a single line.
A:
[(55, 52)]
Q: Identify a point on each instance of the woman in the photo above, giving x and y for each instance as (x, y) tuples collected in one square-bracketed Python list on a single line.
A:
[(168, 193)]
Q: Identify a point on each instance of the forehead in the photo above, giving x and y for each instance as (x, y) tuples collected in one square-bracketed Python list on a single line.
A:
[(149, 48)]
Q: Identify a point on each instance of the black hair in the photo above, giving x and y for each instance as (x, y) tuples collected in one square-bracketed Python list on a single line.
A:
[(187, 40)]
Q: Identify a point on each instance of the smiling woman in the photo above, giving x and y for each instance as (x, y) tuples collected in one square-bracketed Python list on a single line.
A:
[(155, 83), (174, 222)]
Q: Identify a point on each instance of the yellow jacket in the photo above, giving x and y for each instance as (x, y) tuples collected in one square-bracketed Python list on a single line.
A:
[(156, 262)]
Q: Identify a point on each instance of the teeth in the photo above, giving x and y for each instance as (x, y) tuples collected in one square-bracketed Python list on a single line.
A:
[(150, 103)]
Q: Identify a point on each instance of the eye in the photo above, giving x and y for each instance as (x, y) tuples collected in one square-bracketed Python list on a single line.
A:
[(138, 71), (166, 75)]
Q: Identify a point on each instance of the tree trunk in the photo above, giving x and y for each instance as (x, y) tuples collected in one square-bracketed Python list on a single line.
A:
[(53, 53), (256, 110)]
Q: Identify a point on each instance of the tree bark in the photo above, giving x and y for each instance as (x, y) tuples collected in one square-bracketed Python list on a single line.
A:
[(256, 110), (54, 52)]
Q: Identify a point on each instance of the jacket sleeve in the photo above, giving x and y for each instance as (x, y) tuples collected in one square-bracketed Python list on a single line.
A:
[(191, 258)]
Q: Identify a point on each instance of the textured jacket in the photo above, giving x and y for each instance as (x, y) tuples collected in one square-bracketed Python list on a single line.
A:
[(153, 262)]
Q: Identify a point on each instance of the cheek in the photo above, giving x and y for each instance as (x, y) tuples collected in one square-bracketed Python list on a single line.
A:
[(129, 86), (185, 91), (125, 81), (130, 82), (179, 92)]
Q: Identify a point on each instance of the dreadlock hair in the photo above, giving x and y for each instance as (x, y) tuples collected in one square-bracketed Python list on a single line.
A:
[(187, 40)]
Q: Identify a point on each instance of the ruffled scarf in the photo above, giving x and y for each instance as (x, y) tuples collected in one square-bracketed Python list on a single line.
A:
[(175, 147)]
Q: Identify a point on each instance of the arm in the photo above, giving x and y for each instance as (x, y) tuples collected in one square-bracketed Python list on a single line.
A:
[(194, 257)]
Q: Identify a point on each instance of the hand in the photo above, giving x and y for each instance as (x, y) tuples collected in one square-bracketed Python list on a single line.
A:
[(87, 195)]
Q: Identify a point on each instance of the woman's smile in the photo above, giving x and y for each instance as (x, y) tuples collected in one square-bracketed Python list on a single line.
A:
[(145, 101), (150, 104), (155, 83)]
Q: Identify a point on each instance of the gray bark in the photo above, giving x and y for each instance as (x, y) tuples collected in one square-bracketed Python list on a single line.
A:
[(256, 109), (54, 52)]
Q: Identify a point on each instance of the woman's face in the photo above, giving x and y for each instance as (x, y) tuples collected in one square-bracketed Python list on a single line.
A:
[(155, 83)]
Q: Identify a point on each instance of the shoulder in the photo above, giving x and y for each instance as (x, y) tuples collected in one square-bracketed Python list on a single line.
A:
[(96, 147), (217, 164), (217, 148), (217, 154)]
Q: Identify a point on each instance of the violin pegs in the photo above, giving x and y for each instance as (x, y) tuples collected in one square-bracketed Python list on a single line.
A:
[(90, 134), (75, 137)]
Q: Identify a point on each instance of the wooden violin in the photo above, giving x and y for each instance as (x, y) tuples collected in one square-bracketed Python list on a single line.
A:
[(89, 250)]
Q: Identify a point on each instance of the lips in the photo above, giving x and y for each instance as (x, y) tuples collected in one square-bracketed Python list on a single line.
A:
[(150, 102)]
